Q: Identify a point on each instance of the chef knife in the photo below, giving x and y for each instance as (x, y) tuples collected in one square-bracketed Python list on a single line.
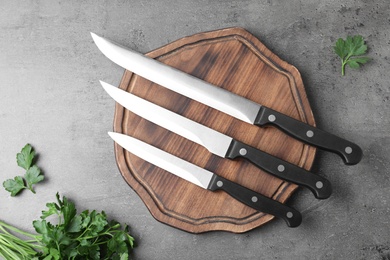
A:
[(225, 101), (207, 179), (218, 143)]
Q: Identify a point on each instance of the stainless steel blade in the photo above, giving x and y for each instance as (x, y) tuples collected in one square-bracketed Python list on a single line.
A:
[(215, 142), (179, 81), (164, 160)]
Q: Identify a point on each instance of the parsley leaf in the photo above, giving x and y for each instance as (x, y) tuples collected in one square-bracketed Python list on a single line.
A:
[(32, 176), (14, 185), (25, 157), (349, 51), (53, 208)]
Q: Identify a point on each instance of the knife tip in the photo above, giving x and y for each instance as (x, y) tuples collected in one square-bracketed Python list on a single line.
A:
[(111, 134), (106, 86), (102, 83), (97, 39), (94, 36), (117, 137)]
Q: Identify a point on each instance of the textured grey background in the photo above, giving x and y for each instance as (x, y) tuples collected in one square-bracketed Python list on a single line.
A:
[(50, 97)]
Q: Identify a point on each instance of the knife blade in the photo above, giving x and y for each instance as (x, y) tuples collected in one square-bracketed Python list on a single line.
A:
[(225, 101), (206, 179), (218, 143)]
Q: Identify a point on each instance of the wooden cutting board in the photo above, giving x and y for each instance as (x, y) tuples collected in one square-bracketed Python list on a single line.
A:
[(237, 61)]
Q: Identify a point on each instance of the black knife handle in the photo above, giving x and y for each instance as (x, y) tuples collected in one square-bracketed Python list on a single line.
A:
[(349, 152), (256, 201), (320, 186)]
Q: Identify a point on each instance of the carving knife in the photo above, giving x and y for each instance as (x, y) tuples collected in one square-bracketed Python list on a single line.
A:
[(225, 101), (218, 143), (207, 179)]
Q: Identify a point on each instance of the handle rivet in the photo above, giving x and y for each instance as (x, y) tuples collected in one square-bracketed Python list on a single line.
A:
[(243, 151), (271, 118), (219, 183), (348, 150), (254, 199), (319, 184), (289, 214), (309, 133), (281, 168)]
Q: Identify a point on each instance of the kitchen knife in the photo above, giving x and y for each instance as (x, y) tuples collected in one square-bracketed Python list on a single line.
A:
[(218, 143), (225, 101), (207, 179)]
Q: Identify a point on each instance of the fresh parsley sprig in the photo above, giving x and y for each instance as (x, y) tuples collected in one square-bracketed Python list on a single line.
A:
[(349, 51), (88, 235), (33, 175)]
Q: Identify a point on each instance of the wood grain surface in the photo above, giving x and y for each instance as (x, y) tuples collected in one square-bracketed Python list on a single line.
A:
[(233, 59)]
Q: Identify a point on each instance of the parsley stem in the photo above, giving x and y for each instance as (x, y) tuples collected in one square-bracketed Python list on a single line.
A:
[(12, 228), (4, 252), (16, 248), (344, 62), (13, 247)]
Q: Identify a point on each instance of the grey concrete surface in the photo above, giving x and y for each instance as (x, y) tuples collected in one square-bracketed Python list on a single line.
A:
[(50, 97)]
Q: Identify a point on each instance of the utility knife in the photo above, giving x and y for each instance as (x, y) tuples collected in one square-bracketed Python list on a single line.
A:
[(225, 101), (206, 179), (218, 143)]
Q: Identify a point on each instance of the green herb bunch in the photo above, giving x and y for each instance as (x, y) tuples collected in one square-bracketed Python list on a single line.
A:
[(88, 235)]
